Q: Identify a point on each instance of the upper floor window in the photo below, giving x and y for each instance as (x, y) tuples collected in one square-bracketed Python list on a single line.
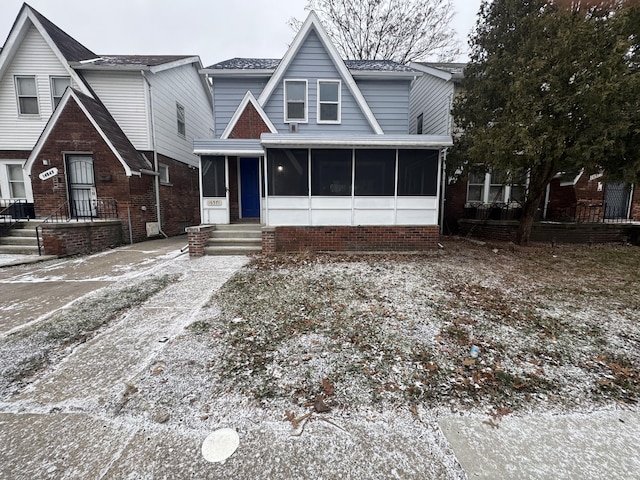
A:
[(329, 101), (419, 123), (27, 95), (182, 129), (58, 86), (295, 100)]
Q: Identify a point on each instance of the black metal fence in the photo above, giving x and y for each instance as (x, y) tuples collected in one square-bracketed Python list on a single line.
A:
[(586, 211)]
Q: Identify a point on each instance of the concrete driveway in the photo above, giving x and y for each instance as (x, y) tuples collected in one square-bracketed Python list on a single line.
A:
[(35, 290)]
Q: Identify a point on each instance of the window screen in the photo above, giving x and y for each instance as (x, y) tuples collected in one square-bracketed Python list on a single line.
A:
[(288, 171), (331, 172), (375, 172), (213, 180), (418, 172)]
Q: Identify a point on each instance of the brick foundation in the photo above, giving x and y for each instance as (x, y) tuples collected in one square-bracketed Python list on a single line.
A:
[(80, 238), (198, 237), (350, 239)]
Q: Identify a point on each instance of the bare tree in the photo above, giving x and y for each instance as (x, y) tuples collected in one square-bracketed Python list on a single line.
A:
[(399, 30)]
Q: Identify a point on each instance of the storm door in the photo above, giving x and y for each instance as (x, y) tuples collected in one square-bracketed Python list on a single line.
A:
[(82, 188), (616, 200)]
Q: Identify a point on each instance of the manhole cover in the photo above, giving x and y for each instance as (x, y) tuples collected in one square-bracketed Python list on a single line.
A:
[(220, 445)]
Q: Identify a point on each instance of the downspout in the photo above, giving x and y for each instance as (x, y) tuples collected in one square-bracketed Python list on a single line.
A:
[(546, 201), (155, 154), (443, 189)]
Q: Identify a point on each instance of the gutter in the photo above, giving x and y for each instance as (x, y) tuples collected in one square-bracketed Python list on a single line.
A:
[(155, 156)]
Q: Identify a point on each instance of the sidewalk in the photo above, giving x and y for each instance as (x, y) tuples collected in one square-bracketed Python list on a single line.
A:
[(103, 411)]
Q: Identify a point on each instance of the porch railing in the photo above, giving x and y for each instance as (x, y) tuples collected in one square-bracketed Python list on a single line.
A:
[(79, 211), (12, 211)]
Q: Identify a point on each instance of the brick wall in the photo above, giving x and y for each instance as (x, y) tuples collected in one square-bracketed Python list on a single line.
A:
[(249, 125), (455, 199), (635, 204), (80, 238), (180, 199), (198, 237), (14, 154), (344, 238)]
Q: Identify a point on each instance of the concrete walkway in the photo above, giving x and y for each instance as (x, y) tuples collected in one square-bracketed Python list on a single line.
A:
[(63, 426)]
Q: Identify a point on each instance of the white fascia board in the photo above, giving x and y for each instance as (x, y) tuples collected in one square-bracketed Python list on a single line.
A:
[(16, 35), (52, 123), (177, 63), (248, 98), (385, 75), (400, 141), (220, 152), (442, 74), (237, 72), (313, 22)]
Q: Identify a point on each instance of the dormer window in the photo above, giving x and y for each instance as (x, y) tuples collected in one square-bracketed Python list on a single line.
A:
[(329, 101), (181, 119), (27, 95), (295, 100), (58, 86)]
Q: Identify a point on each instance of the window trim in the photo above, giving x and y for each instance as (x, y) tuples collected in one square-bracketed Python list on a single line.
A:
[(183, 121), (53, 96), (306, 100), (319, 101), (18, 96), (163, 167), (11, 182), (506, 188)]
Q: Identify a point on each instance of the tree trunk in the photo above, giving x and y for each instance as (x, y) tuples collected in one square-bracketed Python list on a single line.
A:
[(529, 209)]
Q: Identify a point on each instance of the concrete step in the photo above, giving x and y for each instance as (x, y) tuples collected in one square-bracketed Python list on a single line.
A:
[(19, 249), (15, 240), (256, 234), (22, 232), (249, 242), (239, 226), (232, 250)]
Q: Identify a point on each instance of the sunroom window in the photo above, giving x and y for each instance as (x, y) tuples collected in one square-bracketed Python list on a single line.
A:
[(288, 171), (375, 172), (295, 100), (331, 172), (329, 101)]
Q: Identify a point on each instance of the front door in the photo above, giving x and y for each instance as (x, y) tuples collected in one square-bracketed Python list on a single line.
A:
[(616, 200), (249, 188), (82, 188)]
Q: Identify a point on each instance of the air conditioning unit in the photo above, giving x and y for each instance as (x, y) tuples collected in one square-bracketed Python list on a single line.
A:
[(153, 229), (293, 127)]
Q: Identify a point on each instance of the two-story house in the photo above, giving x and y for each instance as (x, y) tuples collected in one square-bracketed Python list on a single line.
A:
[(80, 130), (317, 149)]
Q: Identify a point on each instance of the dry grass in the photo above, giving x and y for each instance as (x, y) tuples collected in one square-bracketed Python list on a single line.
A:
[(554, 326)]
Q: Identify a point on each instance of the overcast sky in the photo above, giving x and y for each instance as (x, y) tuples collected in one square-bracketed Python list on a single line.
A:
[(214, 29)]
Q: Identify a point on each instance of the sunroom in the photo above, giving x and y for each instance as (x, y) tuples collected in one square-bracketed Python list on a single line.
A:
[(297, 180)]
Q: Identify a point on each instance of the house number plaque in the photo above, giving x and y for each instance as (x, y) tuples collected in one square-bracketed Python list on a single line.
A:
[(214, 203)]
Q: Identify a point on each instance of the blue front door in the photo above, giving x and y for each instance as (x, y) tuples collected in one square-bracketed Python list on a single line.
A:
[(249, 188)]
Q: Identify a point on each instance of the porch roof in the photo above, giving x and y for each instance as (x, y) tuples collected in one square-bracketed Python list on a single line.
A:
[(255, 147), (228, 146)]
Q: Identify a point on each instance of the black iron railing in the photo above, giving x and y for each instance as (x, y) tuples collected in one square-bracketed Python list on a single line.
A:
[(12, 211), (80, 211)]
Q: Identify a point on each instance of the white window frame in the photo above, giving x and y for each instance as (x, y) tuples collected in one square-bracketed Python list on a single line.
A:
[(53, 95), (10, 182), (163, 170), (506, 191), (19, 96), (338, 103), (306, 100), (181, 122)]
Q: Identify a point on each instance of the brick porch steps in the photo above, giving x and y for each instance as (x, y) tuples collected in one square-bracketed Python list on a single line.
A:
[(21, 239), (235, 239)]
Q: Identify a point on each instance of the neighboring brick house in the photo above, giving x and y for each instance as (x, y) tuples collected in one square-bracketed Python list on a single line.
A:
[(318, 150), (118, 129), (492, 195)]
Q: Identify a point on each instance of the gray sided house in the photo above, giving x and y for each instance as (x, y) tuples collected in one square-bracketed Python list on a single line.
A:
[(317, 150)]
